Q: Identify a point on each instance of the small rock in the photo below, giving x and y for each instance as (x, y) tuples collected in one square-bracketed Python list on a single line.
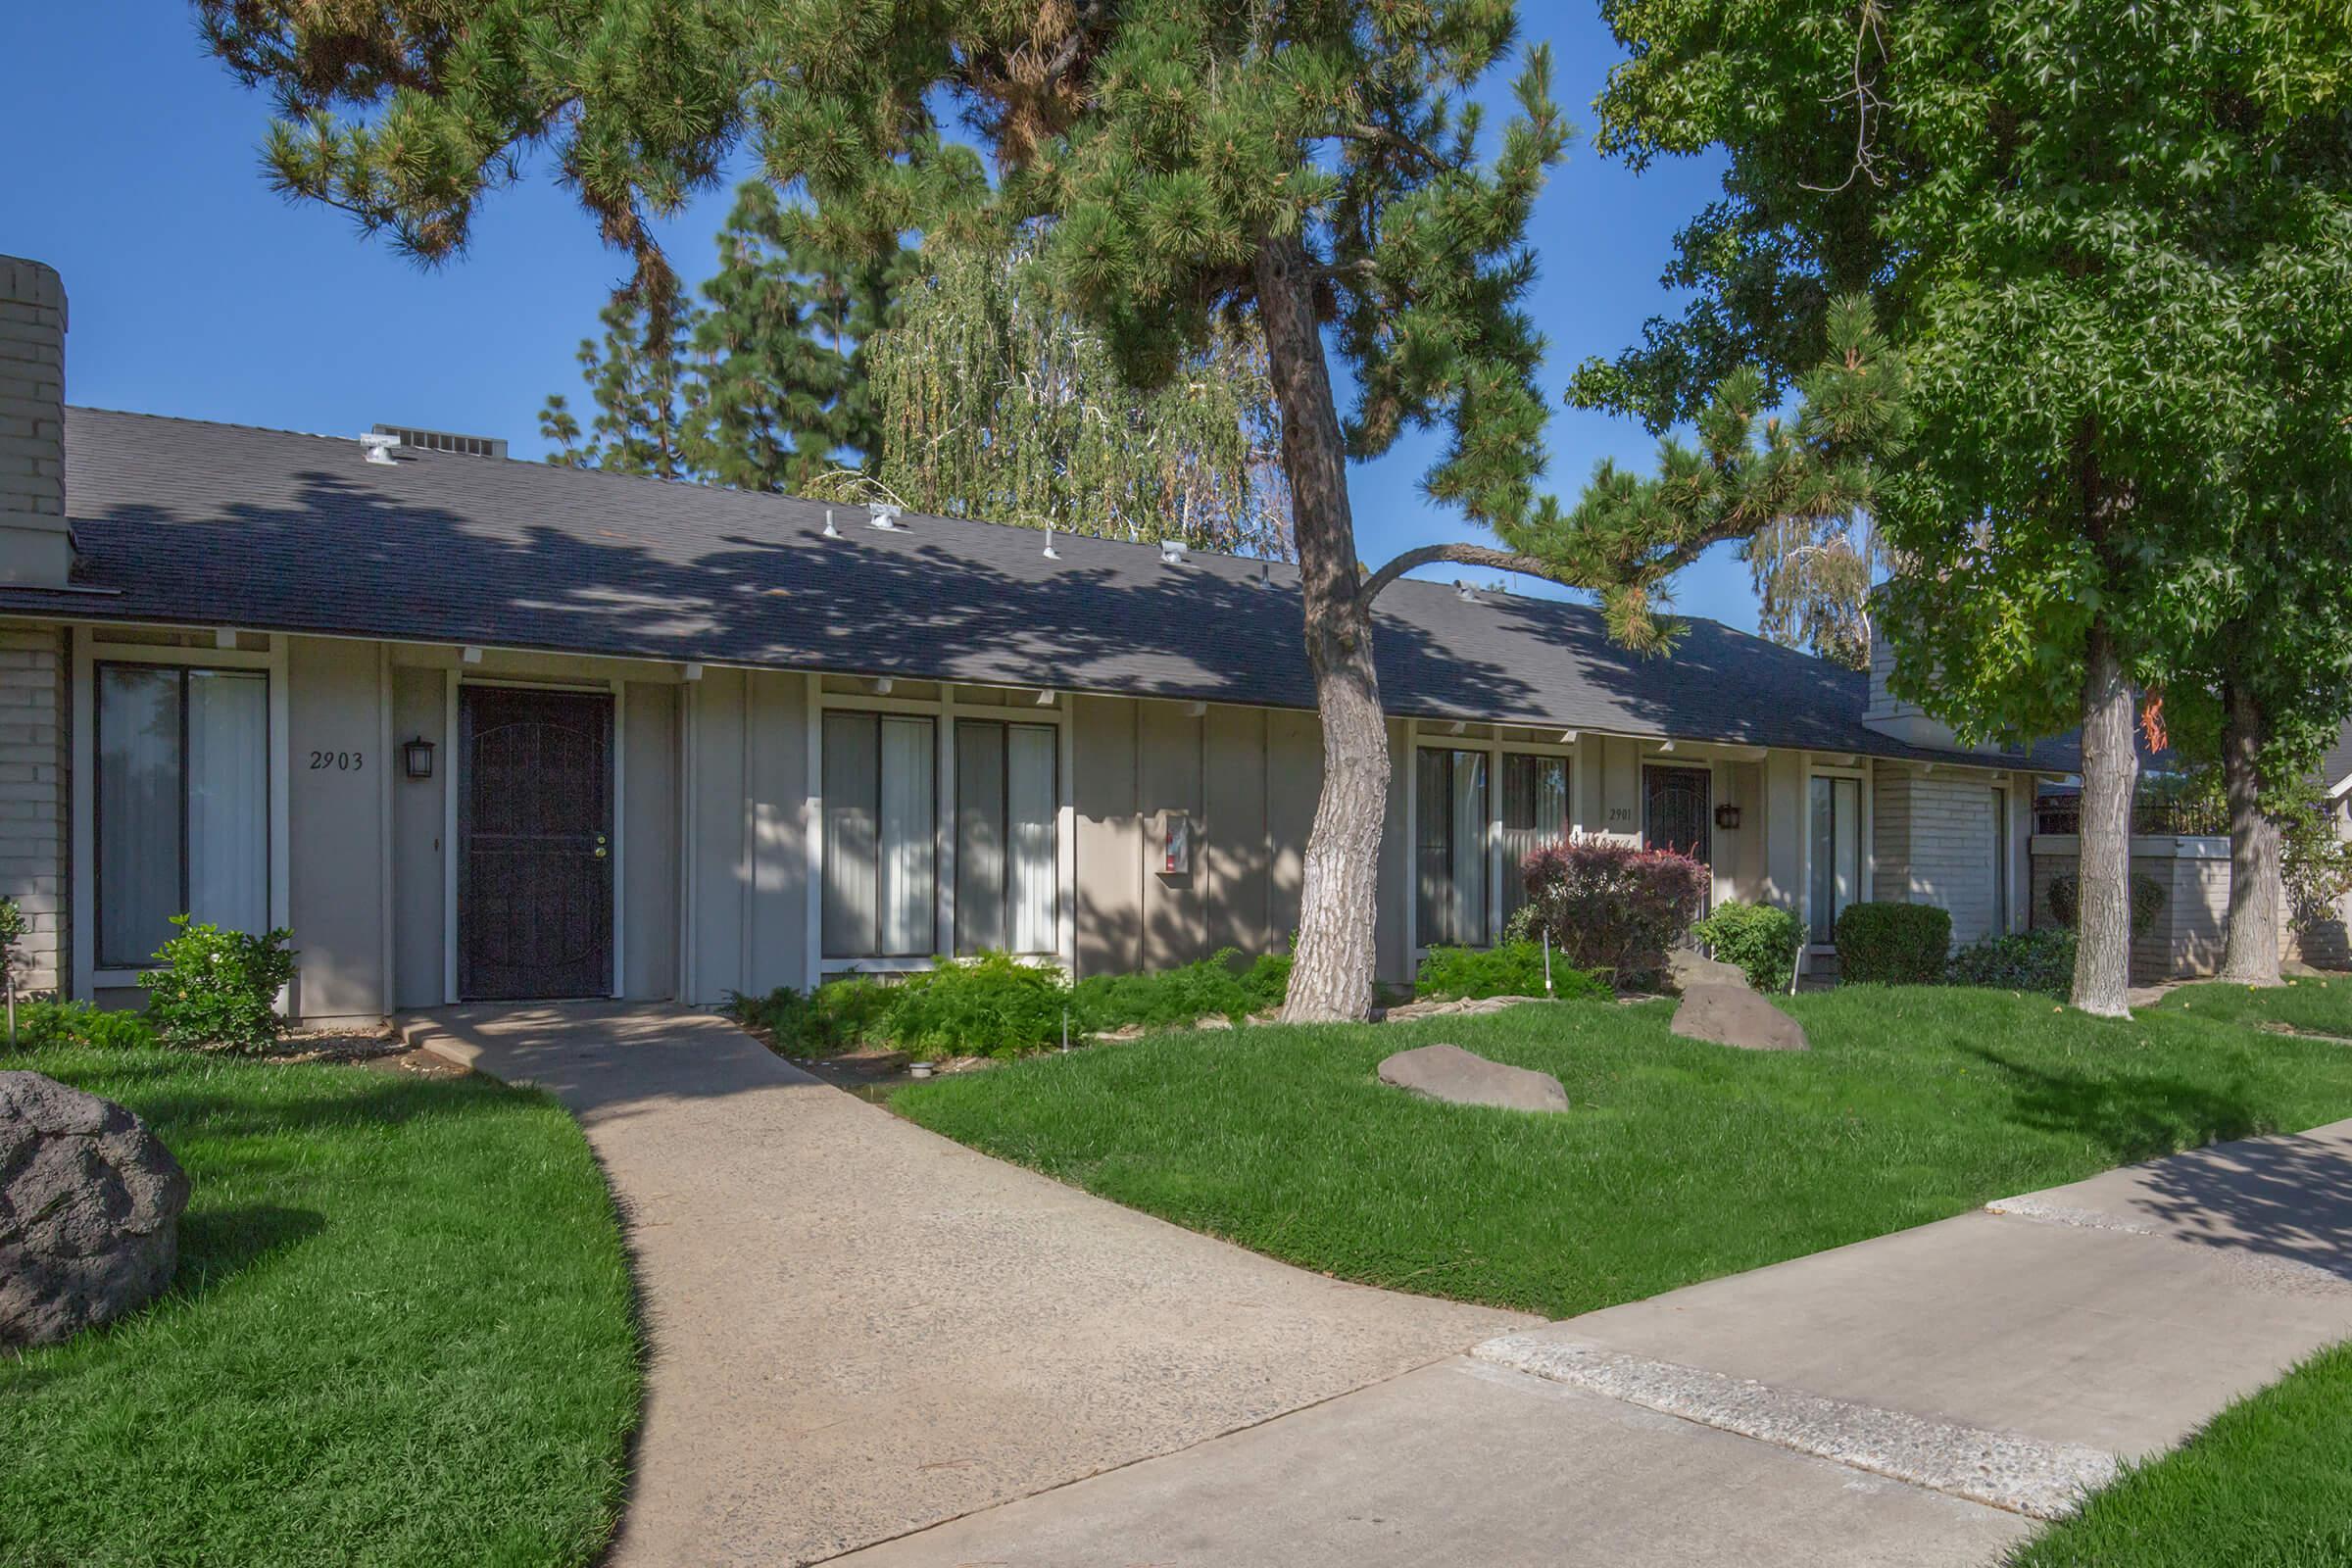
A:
[(89, 1210), (1688, 969), (1734, 1015), (1451, 1074)]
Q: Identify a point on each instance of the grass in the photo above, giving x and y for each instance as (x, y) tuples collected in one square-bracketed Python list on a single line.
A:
[(2311, 1004), (402, 1332), (2267, 1484), (1679, 1162)]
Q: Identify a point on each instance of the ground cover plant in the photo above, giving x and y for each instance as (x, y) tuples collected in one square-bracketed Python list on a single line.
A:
[(402, 1333), (1507, 969), (1679, 1162), (996, 1004), (2265, 1483)]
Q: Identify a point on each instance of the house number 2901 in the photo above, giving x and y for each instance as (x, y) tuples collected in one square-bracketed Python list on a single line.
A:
[(337, 762)]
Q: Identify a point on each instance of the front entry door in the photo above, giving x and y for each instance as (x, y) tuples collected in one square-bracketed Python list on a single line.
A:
[(1676, 813), (535, 845)]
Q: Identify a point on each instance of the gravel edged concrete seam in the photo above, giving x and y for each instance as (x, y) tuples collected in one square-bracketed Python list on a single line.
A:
[(2001, 1469), (2259, 1270)]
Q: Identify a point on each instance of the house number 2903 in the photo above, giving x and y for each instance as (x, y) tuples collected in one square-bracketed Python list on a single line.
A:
[(337, 762)]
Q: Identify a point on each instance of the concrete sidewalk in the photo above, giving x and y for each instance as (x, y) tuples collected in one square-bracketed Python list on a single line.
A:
[(860, 1329), (1896, 1401)]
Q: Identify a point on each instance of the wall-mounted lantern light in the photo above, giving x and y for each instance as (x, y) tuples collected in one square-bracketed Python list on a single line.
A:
[(419, 756), (1727, 818)]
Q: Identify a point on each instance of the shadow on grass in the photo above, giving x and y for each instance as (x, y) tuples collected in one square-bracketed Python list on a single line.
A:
[(2129, 1118)]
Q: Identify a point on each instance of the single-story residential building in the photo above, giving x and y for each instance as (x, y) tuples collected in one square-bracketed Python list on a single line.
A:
[(481, 728)]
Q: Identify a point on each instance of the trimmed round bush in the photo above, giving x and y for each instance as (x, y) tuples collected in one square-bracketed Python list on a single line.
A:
[(1893, 944), (1761, 938)]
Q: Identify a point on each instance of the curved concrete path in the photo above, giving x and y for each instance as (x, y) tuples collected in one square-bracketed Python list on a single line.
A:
[(861, 1329)]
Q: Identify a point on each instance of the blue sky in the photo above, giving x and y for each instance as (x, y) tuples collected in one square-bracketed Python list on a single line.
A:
[(196, 291)]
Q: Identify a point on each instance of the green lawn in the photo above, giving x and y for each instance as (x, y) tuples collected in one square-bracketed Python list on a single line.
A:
[(2267, 1484), (403, 1332), (2315, 1005), (1679, 1162)]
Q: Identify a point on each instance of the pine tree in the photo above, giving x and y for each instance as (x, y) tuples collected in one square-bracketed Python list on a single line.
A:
[(785, 347), (648, 403)]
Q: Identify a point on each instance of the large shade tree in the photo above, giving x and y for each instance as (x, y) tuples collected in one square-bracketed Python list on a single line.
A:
[(1316, 168), (2090, 226)]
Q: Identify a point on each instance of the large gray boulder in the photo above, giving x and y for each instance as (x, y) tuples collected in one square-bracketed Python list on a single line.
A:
[(1451, 1074), (89, 1210), (1734, 1015)]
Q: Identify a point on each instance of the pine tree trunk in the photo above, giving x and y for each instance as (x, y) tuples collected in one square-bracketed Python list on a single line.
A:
[(1332, 976), (2250, 951), (2110, 772)]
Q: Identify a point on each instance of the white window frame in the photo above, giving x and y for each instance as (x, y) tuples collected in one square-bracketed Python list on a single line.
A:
[(1418, 736), (1865, 843), (89, 651), (944, 711)]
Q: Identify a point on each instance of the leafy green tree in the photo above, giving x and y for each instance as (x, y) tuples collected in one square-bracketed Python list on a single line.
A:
[(1318, 170), (2112, 241), (998, 401)]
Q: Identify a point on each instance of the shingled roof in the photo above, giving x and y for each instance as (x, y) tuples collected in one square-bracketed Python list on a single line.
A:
[(178, 520)]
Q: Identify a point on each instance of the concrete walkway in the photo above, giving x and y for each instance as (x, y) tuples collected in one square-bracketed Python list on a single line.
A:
[(860, 1329), (1913, 1399)]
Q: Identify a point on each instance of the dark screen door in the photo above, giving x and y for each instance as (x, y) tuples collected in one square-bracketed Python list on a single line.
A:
[(535, 856), (1675, 810)]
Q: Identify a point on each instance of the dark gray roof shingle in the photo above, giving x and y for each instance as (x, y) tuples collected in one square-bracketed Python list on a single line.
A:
[(215, 523)]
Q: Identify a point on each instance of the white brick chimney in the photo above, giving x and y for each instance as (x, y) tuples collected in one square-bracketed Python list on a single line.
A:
[(36, 544)]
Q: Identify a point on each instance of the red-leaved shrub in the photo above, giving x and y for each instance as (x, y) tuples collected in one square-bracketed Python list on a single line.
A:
[(1612, 907)]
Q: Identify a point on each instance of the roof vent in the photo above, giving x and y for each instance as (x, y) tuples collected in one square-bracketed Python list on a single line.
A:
[(1050, 554), (1465, 592), (831, 532), (1172, 553), (882, 514), (380, 447), (460, 446)]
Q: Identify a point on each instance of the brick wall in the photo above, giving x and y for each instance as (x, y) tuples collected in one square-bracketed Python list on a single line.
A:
[(32, 389), (33, 672)]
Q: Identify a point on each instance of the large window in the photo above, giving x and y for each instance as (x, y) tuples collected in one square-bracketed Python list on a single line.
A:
[(1008, 864), (1535, 812), (881, 886), (182, 791), (1450, 847), (1836, 853)]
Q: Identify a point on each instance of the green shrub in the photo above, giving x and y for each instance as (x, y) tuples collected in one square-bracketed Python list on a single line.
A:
[(989, 1005), (2021, 960), (1893, 944), (2147, 902), (1512, 969), (1761, 940), (44, 1025), (1171, 997), (837, 1016), (218, 988)]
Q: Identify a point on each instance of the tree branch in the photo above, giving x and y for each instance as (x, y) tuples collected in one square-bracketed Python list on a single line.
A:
[(1465, 555)]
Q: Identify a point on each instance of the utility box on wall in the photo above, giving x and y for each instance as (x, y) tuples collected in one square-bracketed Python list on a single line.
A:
[(1169, 847)]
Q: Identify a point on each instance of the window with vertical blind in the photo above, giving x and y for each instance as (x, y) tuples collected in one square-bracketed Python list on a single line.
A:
[(1450, 847), (1835, 854), (2000, 859), (1535, 812), (182, 792), (881, 888), (1007, 861)]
